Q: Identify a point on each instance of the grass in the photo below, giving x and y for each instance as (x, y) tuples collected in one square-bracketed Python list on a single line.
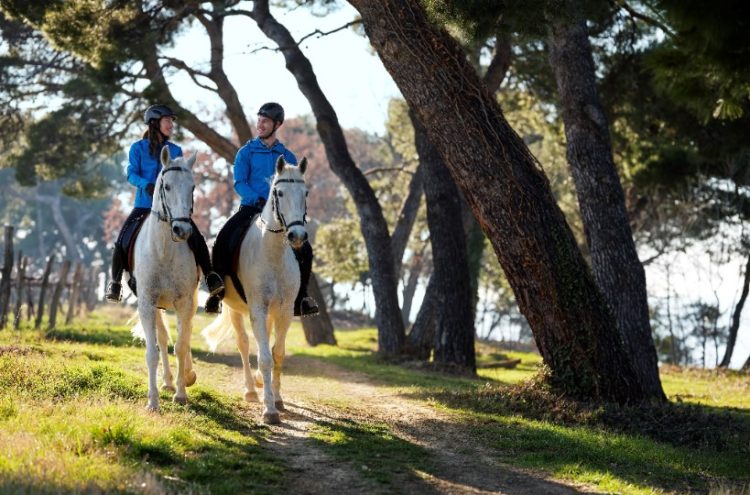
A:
[(72, 420), (699, 442)]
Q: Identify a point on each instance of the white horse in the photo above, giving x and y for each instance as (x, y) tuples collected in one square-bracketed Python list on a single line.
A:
[(270, 278), (167, 276)]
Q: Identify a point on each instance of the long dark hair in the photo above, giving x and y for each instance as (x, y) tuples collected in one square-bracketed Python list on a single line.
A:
[(155, 137)]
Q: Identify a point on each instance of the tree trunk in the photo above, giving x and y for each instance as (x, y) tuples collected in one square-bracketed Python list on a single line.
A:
[(406, 218), (421, 338), (318, 330), (511, 198), (5, 283), (617, 269), (43, 293), (454, 316), (373, 224), (732, 340), (58, 294)]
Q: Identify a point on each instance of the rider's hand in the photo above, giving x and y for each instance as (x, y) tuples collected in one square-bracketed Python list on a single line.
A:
[(150, 189)]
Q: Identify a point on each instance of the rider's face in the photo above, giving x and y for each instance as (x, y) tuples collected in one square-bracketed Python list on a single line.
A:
[(166, 125), (265, 127)]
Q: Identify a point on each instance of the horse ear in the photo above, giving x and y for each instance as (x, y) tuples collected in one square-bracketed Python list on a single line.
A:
[(191, 160), (303, 165), (280, 164), (165, 156)]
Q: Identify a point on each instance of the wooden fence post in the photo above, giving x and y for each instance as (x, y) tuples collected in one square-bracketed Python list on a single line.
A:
[(43, 292), (29, 304), (21, 271), (56, 296), (6, 273), (75, 289)]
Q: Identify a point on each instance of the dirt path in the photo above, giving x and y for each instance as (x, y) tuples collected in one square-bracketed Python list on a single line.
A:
[(317, 392)]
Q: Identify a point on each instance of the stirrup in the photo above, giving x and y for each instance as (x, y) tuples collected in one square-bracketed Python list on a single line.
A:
[(214, 283), (307, 307), (113, 292)]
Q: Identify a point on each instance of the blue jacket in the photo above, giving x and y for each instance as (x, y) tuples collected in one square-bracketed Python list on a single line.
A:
[(143, 169), (254, 168)]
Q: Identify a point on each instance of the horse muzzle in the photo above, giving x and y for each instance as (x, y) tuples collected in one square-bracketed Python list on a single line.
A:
[(297, 236), (181, 230)]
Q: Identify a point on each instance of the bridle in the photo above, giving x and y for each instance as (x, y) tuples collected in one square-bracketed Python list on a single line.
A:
[(166, 214), (277, 213)]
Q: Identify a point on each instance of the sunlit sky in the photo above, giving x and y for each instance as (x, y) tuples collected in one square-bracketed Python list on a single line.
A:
[(349, 72)]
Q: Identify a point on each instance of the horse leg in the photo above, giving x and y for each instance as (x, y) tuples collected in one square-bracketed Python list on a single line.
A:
[(258, 317), (147, 314), (162, 335), (185, 372), (243, 344), (279, 352)]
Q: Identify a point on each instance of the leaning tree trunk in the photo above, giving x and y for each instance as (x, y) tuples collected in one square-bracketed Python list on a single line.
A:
[(449, 291), (454, 316), (614, 259), (373, 224), (732, 340), (512, 199)]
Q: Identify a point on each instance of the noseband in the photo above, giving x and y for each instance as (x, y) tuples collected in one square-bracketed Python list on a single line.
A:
[(280, 216), (166, 214)]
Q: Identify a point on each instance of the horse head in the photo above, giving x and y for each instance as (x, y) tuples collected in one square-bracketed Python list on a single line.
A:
[(173, 194), (289, 200)]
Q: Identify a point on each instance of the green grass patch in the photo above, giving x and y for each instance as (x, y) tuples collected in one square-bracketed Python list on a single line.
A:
[(73, 420)]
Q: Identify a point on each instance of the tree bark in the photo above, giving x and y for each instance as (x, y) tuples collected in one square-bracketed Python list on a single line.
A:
[(5, 283), (454, 316), (373, 224), (732, 340), (614, 259), (318, 330), (512, 200), (406, 218)]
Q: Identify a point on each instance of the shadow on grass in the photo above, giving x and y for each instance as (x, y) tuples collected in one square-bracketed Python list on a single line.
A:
[(222, 452), (114, 336), (669, 446)]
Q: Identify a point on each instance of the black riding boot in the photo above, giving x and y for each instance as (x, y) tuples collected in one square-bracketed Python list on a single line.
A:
[(113, 292), (304, 305)]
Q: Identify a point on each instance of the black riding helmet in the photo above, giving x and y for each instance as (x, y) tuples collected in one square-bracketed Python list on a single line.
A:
[(273, 111), (157, 112)]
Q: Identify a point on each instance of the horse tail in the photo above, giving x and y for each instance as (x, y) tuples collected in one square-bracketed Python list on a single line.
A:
[(218, 330), (137, 329)]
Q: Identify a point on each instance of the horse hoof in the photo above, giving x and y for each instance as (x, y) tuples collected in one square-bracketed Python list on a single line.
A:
[(168, 388), (179, 400), (251, 396), (154, 408), (271, 418), (190, 378), (280, 405)]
